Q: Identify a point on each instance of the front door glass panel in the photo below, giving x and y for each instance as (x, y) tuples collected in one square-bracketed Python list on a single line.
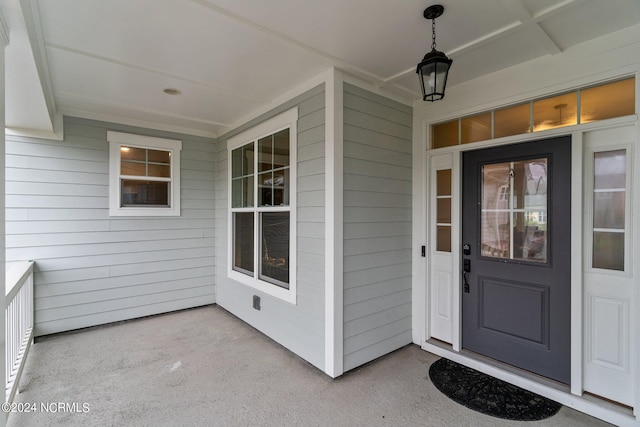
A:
[(514, 210)]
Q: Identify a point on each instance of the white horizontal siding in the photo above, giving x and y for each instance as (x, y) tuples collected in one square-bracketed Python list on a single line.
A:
[(377, 226), (298, 327), (93, 269)]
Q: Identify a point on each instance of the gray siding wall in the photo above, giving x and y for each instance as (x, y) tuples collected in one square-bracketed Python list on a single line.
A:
[(93, 269), (377, 226), (298, 327)]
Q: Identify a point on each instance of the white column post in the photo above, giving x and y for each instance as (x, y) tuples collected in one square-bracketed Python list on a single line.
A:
[(334, 319), (4, 40)]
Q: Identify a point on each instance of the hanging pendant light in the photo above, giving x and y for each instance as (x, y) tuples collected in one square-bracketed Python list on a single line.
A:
[(434, 68)]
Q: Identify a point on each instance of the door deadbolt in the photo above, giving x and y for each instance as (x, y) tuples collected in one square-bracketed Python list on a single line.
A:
[(466, 249)]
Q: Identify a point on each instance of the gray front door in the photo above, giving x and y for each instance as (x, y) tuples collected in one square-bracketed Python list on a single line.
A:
[(516, 235)]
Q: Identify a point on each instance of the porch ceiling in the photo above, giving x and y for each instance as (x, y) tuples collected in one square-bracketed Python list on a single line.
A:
[(112, 60)]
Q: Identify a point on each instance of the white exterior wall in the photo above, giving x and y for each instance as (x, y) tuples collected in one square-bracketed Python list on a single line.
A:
[(93, 269), (377, 225), (354, 229)]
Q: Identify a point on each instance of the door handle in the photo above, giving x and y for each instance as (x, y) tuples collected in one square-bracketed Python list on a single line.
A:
[(466, 263)]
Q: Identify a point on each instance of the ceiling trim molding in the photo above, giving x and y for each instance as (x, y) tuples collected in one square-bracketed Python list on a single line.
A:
[(499, 33), (128, 107), (524, 20), (31, 14), (102, 58), (146, 124), (378, 90), (336, 61), (304, 87), (519, 12), (545, 40), (412, 94), (4, 30), (520, 24)]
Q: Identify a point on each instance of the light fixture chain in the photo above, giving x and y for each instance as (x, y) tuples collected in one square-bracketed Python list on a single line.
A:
[(433, 31)]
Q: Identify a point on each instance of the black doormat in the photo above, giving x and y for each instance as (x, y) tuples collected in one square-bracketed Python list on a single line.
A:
[(489, 395)]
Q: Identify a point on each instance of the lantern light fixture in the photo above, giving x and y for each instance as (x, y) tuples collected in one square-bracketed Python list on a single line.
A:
[(434, 68)]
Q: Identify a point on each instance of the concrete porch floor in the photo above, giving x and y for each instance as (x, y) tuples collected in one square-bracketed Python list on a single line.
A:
[(206, 367)]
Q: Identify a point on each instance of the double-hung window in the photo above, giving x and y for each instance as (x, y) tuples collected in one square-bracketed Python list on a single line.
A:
[(144, 175), (262, 171)]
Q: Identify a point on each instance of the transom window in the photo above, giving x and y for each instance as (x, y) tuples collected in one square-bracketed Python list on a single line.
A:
[(144, 175), (262, 230), (585, 105)]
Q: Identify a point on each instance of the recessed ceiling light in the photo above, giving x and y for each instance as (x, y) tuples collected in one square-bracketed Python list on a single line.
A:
[(172, 91)]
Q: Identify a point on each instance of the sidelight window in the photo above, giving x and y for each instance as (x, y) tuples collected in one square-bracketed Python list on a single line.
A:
[(443, 210), (609, 201)]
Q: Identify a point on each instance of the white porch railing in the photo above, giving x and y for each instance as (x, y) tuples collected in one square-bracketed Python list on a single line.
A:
[(19, 323)]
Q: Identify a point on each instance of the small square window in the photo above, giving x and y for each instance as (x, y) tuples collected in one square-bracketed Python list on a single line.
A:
[(445, 134), (476, 128), (144, 175)]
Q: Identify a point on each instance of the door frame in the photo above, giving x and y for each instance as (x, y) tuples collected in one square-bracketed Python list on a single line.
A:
[(452, 350)]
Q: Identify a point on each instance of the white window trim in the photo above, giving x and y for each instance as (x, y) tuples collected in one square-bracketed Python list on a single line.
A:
[(119, 139), (282, 121)]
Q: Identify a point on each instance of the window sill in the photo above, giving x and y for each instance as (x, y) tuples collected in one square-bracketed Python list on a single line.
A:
[(150, 212), (287, 295)]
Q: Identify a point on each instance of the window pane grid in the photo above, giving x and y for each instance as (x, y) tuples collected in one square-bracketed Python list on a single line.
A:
[(273, 167), (272, 209), (144, 183), (144, 175), (262, 209), (243, 176), (260, 187), (525, 211), (514, 210), (555, 112), (145, 162), (512, 120), (443, 210), (144, 193), (243, 245), (145, 178), (274, 248), (609, 210), (148, 163), (475, 128)]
